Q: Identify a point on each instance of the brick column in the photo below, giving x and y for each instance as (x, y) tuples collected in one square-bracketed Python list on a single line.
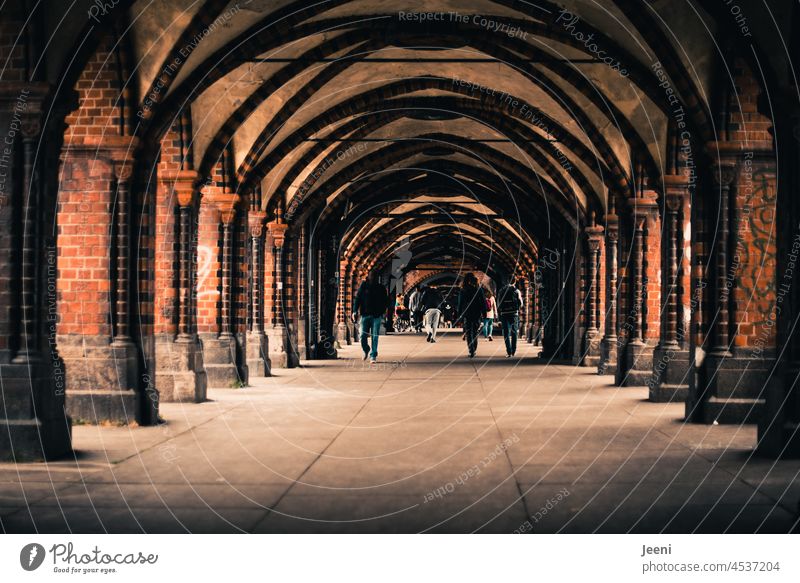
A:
[(100, 358), (530, 302), (348, 299), (328, 270), (33, 421), (28, 351), (724, 175), (258, 363), (591, 340), (741, 361), (341, 305), (645, 283), (671, 364), (219, 344), (302, 292), (609, 344), (779, 425), (279, 350), (180, 372)]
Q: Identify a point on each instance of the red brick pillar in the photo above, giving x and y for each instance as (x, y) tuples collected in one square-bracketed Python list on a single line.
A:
[(530, 302), (740, 363), (258, 363), (645, 279), (609, 344), (302, 293), (99, 356), (671, 364), (214, 310), (537, 286), (341, 304), (347, 292), (277, 332), (180, 372), (591, 340)]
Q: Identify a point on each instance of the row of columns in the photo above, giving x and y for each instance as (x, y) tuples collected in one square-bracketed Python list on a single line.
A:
[(647, 341)]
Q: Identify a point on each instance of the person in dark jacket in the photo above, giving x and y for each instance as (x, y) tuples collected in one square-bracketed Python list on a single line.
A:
[(509, 302), (371, 304), (471, 311)]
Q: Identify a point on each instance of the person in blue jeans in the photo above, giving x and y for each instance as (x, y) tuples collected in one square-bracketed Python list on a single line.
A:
[(509, 304), (471, 311), (371, 304)]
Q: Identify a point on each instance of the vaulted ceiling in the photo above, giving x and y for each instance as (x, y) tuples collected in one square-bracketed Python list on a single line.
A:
[(512, 120)]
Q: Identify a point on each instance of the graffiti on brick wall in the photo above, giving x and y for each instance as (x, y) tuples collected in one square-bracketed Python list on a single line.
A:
[(756, 244)]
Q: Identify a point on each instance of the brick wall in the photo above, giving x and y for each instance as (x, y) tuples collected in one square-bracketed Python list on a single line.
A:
[(651, 318), (83, 246), (240, 272), (166, 234), (100, 96), (208, 268), (12, 45), (753, 219), (86, 195)]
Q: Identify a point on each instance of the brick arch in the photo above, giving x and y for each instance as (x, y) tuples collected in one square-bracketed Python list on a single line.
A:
[(472, 249), (484, 185), (501, 243), (491, 115), (255, 41), (488, 110), (420, 279), (378, 251), (400, 151), (480, 43)]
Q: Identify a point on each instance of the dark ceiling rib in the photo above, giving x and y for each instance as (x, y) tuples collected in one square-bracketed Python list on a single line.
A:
[(356, 59), (377, 140), (356, 106)]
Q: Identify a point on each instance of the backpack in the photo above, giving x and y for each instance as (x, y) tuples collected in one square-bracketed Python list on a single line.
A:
[(488, 306), (509, 301)]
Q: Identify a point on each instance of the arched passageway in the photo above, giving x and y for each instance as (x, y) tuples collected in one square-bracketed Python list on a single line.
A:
[(192, 207)]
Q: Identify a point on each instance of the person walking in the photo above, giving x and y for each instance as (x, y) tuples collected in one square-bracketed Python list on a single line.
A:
[(414, 310), (371, 304), (509, 304), (491, 315), (471, 310), (431, 302)]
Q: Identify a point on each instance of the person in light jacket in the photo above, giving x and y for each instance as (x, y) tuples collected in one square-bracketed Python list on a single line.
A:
[(491, 315)]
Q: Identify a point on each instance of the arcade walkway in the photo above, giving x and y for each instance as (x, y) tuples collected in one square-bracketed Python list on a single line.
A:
[(427, 440)]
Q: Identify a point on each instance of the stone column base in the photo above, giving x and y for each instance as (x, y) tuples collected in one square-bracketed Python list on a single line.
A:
[(341, 335), (180, 375), (638, 365), (591, 349), (326, 349), (24, 438), (778, 436), (278, 342), (736, 389), (258, 364), (302, 348), (608, 356), (219, 359), (101, 380), (670, 380)]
